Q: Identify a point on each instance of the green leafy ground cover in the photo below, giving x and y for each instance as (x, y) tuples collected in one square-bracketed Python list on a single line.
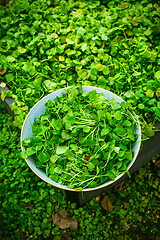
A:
[(27, 202), (45, 46)]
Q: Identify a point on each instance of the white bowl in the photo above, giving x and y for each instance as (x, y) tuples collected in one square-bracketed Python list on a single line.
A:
[(39, 109)]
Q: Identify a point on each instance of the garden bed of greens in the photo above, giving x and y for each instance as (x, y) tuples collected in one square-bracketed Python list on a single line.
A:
[(48, 45)]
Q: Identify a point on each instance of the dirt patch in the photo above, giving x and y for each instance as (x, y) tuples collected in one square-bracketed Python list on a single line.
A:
[(3, 2)]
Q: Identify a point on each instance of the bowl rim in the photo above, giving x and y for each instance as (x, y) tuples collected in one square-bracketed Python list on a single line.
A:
[(64, 187)]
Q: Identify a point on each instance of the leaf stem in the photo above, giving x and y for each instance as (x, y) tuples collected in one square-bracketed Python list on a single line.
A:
[(89, 134)]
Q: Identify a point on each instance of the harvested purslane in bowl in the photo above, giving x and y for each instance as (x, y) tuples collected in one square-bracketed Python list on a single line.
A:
[(83, 140)]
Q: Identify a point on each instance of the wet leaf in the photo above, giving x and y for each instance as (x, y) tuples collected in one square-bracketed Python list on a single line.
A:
[(142, 170), (158, 92), (147, 32), (94, 71), (10, 59), (28, 206), (99, 67), (58, 170), (111, 175), (106, 70), (30, 151), (104, 131), (23, 155), (122, 212), (148, 131), (61, 149), (3, 95), (62, 221), (149, 93), (118, 115), (106, 204), (21, 50), (81, 31), (157, 111), (84, 46), (54, 158), (3, 71), (5, 151), (124, 5), (157, 75)]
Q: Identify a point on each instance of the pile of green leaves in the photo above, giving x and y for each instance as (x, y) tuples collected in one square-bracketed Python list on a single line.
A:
[(83, 139)]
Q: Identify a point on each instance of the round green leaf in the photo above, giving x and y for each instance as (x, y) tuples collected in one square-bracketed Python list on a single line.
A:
[(118, 115), (61, 149), (141, 106), (106, 70), (149, 93), (157, 74), (23, 155), (104, 36), (5, 151), (84, 46), (104, 131), (147, 32), (93, 71), (10, 59), (99, 67)]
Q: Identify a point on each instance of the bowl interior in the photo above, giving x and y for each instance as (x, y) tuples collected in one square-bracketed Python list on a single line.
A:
[(39, 109)]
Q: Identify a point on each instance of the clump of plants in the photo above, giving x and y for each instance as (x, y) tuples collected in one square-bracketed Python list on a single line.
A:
[(83, 139)]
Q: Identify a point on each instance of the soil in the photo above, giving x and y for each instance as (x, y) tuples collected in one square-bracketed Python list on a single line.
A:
[(3, 2)]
